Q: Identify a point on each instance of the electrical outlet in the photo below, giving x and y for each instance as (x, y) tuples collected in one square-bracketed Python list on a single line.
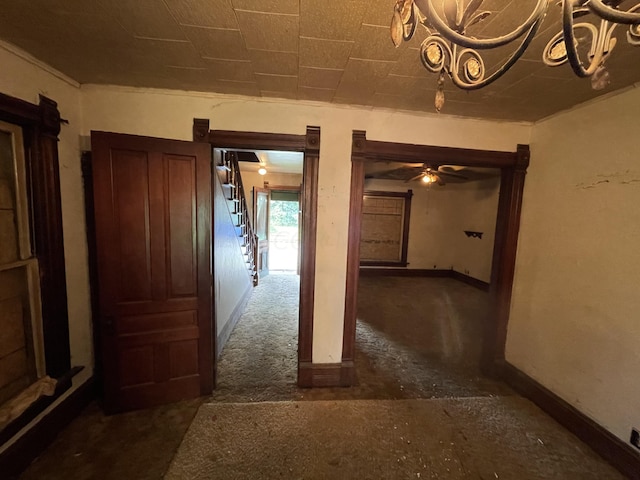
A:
[(635, 438)]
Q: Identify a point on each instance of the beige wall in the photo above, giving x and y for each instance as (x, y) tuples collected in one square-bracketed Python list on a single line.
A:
[(254, 179), (170, 114), (439, 216), (574, 317)]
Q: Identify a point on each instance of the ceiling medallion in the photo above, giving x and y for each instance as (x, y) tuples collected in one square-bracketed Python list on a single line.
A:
[(449, 50)]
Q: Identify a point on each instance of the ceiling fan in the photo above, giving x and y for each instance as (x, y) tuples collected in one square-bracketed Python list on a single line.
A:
[(424, 173)]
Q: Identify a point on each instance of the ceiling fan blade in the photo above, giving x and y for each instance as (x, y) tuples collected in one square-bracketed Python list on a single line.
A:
[(451, 173), (415, 178)]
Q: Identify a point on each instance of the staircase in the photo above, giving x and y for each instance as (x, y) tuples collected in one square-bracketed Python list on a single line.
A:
[(231, 180)]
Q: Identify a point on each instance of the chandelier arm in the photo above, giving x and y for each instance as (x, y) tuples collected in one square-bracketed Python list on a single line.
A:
[(515, 56), (616, 16), (597, 44), (426, 7)]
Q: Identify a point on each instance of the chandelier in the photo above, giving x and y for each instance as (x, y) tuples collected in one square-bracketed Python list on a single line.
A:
[(450, 51)]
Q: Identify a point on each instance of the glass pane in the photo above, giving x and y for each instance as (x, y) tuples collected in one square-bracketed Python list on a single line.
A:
[(261, 216), (8, 209)]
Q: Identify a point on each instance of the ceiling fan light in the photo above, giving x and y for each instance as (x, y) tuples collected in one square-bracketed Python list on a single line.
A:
[(427, 179), (262, 171)]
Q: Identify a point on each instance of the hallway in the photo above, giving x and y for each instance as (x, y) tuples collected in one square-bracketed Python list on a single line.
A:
[(421, 408)]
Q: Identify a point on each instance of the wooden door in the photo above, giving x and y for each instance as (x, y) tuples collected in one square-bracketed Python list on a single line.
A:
[(261, 227), (152, 202)]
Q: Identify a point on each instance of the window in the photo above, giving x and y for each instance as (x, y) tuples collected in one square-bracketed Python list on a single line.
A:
[(21, 346), (384, 234)]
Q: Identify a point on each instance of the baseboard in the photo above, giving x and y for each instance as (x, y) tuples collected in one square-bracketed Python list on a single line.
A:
[(312, 375), (474, 282), (403, 272), (18, 456), (607, 445), (423, 272), (222, 339)]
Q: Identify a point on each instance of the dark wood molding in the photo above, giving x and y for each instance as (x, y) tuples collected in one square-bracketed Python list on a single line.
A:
[(382, 193), (469, 280), (607, 445), (403, 272), (258, 141), (424, 272), (63, 384), (308, 244), (20, 454), (200, 129), (504, 259), (513, 168), (309, 144), (90, 221), (374, 263), (41, 125), (224, 335), (353, 257), (313, 375), (433, 155)]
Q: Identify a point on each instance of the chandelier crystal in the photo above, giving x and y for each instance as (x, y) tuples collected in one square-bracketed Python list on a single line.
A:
[(449, 50)]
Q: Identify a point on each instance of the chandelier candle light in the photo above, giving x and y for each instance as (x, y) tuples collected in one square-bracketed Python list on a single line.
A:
[(450, 51)]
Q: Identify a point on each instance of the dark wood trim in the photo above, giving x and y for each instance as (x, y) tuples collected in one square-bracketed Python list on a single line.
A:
[(19, 455), (373, 263), (469, 280), (41, 126), (504, 258), (435, 156), (258, 141), (513, 167), (607, 445), (310, 145), (309, 199), (403, 272), (312, 375), (382, 193), (200, 129), (358, 141), (90, 221), (223, 337), (63, 384)]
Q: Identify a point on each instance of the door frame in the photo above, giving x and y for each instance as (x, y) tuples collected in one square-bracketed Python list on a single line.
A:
[(292, 189), (309, 145), (513, 166)]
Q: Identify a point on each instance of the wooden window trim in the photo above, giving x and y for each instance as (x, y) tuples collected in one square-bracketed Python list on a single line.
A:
[(406, 220), (40, 126)]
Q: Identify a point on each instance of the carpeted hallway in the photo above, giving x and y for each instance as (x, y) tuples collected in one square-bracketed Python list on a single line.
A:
[(421, 408)]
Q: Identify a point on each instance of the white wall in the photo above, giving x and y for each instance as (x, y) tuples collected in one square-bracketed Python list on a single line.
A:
[(170, 114), (574, 317), (439, 217), (254, 179)]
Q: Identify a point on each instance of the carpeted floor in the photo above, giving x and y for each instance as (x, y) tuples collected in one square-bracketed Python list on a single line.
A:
[(475, 438), (421, 408)]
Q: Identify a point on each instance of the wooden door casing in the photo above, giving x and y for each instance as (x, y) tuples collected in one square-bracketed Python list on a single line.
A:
[(153, 211)]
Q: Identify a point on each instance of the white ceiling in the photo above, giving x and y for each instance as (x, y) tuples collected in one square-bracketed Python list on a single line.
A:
[(275, 162)]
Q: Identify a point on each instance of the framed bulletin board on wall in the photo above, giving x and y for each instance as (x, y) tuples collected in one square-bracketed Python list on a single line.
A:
[(384, 234)]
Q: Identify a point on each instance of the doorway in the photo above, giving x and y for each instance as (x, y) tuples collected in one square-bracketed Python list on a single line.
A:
[(309, 145), (513, 167), (284, 231)]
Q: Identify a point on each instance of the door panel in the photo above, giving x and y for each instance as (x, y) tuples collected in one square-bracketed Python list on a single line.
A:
[(153, 210), (261, 225)]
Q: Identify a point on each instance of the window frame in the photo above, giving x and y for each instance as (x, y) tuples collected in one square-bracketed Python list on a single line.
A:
[(406, 219)]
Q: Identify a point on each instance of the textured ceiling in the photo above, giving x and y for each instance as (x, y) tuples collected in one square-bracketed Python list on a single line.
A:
[(331, 50)]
